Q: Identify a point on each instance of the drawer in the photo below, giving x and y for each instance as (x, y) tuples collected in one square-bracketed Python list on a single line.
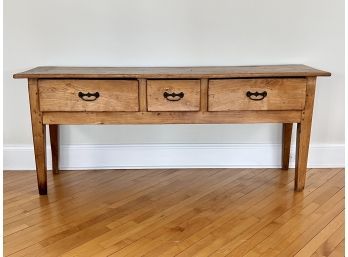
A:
[(256, 94), (173, 95), (88, 95)]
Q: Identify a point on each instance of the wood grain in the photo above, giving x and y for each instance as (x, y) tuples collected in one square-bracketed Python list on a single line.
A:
[(282, 94), (63, 95), (303, 136), (54, 138), (172, 117), (286, 144), (39, 136), (189, 102), (142, 95), (182, 212), (296, 70), (204, 95)]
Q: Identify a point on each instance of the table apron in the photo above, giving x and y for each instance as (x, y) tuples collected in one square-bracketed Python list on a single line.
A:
[(230, 117)]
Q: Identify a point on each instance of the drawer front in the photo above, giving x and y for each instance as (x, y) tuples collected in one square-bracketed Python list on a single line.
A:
[(173, 95), (256, 94), (88, 95)]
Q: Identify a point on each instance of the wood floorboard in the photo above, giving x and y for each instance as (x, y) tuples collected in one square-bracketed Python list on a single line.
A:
[(176, 212)]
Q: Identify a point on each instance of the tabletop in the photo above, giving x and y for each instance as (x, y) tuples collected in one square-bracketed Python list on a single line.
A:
[(295, 70)]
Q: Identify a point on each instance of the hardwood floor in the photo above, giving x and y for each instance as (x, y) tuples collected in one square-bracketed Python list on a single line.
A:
[(187, 212)]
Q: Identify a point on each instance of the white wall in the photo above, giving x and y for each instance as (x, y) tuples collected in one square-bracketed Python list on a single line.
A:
[(174, 33)]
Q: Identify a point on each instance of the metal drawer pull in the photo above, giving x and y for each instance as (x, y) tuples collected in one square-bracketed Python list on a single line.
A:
[(254, 96), (89, 96), (173, 96)]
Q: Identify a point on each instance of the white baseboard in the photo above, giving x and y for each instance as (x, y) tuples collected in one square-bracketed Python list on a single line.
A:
[(21, 157)]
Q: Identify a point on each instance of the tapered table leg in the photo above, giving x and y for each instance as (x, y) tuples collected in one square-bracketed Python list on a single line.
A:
[(39, 137), (303, 136), (54, 138), (286, 143)]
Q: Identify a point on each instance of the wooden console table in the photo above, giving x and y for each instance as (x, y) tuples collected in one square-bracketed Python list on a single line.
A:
[(196, 95)]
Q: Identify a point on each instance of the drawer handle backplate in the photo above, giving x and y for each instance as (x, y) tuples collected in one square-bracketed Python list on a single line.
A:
[(173, 96), (255, 96), (89, 96)]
